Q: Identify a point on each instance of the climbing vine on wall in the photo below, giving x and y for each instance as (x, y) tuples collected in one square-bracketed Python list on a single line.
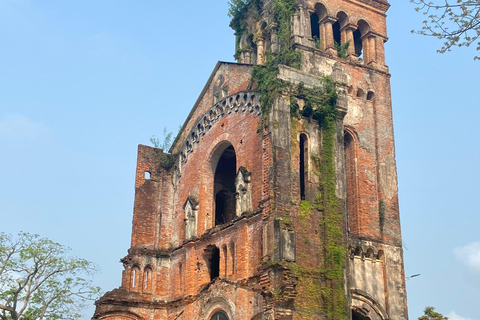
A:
[(319, 105)]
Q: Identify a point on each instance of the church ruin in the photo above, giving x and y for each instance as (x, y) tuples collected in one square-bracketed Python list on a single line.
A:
[(278, 199)]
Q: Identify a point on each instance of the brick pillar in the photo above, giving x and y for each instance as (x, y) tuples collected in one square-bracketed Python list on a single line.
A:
[(380, 50), (327, 23), (347, 36), (366, 49)]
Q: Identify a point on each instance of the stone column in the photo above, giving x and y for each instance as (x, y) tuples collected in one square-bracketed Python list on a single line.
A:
[(328, 34), (365, 49), (272, 28), (260, 50)]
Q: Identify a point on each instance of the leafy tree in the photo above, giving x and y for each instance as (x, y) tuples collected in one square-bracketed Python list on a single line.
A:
[(457, 23), (430, 314), (38, 280)]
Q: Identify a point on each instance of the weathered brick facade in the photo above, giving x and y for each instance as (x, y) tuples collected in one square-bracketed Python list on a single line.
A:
[(220, 229)]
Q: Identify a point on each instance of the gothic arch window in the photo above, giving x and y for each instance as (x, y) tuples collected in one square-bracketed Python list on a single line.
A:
[(219, 315), (147, 279), (135, 277), (303, 164), (358, 37), (351, 182), (224, 186)]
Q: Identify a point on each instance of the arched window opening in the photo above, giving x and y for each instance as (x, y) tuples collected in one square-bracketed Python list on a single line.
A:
[(212, 257), (224, 187), (381, 256), (321, 11), (219, 315), (357, 316), (370, 95), (351, 183), (358, 252), (147, 175), (358, 37), (369, 254), (147, 279), (337, 34), (357, 40), (303, 164), (135, 275), (315, 26)]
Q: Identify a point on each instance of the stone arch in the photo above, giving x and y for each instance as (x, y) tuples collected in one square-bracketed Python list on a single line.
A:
[(125, 315), (217, 304), (321, 10), (365, 307)]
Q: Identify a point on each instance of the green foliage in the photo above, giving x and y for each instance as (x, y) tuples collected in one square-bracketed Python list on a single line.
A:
[(265, 77), (166, 161), (457, 23), (430, 314), (335, 248), (305, 208), (165, 143), (317, 42), (342, 49), (39, 281)]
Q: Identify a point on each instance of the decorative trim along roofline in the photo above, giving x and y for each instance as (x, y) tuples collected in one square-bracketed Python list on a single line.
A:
[(245, 101)]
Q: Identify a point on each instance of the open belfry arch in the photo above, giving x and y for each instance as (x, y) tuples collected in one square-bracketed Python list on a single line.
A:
[(278, 199)]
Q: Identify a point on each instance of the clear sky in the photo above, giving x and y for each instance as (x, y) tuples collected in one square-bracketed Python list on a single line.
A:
[(82, 83)]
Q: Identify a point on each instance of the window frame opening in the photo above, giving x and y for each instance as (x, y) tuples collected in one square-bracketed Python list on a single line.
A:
[(212, 258), (315, 27), (224, 186), (357, 316), (303, 164)]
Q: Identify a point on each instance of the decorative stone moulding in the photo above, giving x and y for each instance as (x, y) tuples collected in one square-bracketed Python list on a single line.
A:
[(244, 102)]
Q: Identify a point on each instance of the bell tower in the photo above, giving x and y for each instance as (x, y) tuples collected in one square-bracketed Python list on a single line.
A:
[(278, 199)]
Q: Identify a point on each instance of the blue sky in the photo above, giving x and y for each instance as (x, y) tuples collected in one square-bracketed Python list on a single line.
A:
[(84, 82)]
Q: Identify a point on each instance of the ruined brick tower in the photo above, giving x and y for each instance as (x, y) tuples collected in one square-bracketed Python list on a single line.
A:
[(278, 199)]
